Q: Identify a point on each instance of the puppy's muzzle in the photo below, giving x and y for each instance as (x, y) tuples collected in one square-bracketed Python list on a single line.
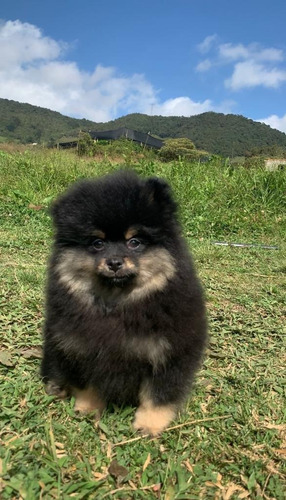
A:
[(114, 264), (115, 271)]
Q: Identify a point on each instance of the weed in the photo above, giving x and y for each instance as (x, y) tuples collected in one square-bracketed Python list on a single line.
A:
[(229, 441)]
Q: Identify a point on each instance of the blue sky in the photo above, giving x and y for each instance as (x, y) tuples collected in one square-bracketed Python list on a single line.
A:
[(101, 59)]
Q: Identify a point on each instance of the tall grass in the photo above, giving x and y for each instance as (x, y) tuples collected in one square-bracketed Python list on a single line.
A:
[(215, 201)]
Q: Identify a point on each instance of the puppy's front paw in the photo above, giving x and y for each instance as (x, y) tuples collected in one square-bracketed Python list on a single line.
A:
[(153, 420), (54, 389), (87, 401)]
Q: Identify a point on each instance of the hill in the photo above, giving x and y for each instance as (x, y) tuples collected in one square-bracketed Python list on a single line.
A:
[(27, 124), (226, 135)]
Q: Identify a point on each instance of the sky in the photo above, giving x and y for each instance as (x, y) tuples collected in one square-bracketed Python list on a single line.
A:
[(102, 59)]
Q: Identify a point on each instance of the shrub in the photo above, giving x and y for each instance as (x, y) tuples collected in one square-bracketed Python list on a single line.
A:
[(85, 145), (255, 162), (181, 147)]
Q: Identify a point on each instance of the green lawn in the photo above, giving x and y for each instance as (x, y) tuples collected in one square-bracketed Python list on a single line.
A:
[(229, 442)]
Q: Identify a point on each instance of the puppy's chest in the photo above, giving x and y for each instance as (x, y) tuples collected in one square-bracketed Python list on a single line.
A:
[(117, 348), (152, 349), (136, 337), (136, 344)]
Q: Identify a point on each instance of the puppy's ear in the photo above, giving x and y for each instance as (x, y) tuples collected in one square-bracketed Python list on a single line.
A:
[(59, 211), (159, 192)]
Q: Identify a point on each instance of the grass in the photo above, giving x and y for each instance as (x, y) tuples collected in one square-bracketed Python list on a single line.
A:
[(229, 442)]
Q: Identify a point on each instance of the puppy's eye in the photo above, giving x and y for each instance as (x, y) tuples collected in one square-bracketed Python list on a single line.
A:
[(133, 244), (98, 244)]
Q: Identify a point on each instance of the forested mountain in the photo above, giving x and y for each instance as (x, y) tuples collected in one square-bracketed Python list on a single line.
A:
[(26, 123), (226, 135)]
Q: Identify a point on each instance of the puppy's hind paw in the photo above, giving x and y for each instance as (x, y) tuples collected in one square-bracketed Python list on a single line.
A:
[(54, 389)]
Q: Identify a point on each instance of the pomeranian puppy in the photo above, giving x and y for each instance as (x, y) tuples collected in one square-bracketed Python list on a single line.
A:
[(125, 314)]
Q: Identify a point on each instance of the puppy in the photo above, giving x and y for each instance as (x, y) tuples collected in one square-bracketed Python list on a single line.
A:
[(125, 314)]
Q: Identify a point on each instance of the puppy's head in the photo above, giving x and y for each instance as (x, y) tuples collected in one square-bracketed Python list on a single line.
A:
[(117, 230)]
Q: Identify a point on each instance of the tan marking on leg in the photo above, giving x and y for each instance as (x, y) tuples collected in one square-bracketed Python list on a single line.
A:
[(150, 418), (53, 389), (87, 400)]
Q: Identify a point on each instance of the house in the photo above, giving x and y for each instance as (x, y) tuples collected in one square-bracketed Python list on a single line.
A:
[(275, 163), (133, 135), (67, 144)]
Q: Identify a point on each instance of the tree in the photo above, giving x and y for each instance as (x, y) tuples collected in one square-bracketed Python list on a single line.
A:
[(174, 149), (85, 144), (13, 123)]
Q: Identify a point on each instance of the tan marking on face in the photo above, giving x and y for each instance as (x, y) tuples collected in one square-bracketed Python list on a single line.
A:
[(150, 418), (156, 267), (87, 400), (102, 266), (98, 234), (129, 264), (154, 350), (130, 233), (75, 269)]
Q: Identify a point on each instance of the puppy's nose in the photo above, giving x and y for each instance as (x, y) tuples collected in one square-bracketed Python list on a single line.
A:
[(115, 264)]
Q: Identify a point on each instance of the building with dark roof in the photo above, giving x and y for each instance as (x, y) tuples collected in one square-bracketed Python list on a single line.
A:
[(133, 135)]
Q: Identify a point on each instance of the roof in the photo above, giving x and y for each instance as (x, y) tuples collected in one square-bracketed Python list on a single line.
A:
[(133, 135)]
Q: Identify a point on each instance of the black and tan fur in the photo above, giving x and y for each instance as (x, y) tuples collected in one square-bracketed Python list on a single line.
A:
[(125, 316)]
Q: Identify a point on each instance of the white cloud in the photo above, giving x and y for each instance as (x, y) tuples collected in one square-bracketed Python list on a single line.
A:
[(182, 106), (33, 70), (252, 65), (251, 74), (207, 43), (204, 65), (231, 52), (23, 43), (275, 121)]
